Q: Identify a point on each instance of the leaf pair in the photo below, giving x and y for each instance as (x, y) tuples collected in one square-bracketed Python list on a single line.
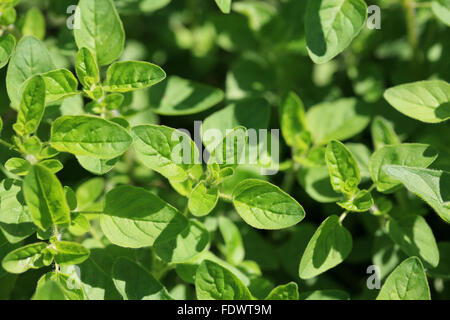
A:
[(345, 177)]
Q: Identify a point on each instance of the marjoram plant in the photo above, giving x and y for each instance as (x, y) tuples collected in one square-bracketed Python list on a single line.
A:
[(104, 193)]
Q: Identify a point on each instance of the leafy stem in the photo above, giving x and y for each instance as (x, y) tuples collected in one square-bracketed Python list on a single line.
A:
[(8, 145)]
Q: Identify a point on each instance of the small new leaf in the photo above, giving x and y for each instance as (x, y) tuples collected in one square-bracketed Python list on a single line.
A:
[(344, 171)]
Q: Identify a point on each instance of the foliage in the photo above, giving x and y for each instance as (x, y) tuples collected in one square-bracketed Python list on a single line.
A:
[(104, 196)]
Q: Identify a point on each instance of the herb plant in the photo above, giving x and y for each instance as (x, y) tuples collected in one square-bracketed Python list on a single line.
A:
[(110, 190)]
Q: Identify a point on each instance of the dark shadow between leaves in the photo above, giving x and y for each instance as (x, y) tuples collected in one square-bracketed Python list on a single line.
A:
[(444, 187), (443, 111), (139, 282)]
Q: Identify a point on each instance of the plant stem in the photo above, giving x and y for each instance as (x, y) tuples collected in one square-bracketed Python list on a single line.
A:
[(343, 216), (58, 236), (371, 188)]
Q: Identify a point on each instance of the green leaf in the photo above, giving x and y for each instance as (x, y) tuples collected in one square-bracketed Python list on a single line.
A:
[(360, 202), (67, 253), (71, 198), (407, 282), (30, 58), (52, 164), (7, 44), (100, 30), (330, 245), (233, 249), (292, 118), (189, 243), (337, 120), (24, 258), (87, 68), (135, 283), (34, 24), (344, 171), (325, 295), (135, 218), (265, 206), (132, 75), (202, 199), (383, 133), (408, 155), (331, 25), (9, 15), (97, 166), (168, 151), (177, 96), (362, 154), (441, 9), (284, 292), (15, 218), (89, 136), (426, 101), (70, 286), (224, 5), (89, 191), (45, 198), (93, 276), (80, 225), (415, 238), (17, 166), (49, 290), (430, 185), (60, 84), (214, 282), (31, 107)]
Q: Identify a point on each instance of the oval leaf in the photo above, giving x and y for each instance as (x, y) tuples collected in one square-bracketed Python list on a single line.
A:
[(89, 136), (415, 237), (132, 75), (31, 107), (45, 198), (135, 218), (100, 30), (214, 282), (427, 101), (24, 258), (330, 245), (331, 25), (407, 282), (67, 253), (344, 171), (408, 155), (168, 151)]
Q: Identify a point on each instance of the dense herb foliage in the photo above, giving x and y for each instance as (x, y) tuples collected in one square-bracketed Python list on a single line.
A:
[(110, 188)]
